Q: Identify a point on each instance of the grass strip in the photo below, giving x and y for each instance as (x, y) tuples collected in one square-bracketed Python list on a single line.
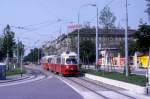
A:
[(132, 78), (15, 72)]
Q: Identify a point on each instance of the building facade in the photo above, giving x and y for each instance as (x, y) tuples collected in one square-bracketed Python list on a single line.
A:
[(108, 40)]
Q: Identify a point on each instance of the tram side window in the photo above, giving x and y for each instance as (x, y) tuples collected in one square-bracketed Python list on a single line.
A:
[(63, 60), (71, 61), (49, 60), (58, 60)]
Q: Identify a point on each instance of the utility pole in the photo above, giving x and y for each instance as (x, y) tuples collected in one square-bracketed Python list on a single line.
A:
[(21, 59), (97, 38), (78, 44), (18, 53), (126, 41), (148, 75), (38, 56)]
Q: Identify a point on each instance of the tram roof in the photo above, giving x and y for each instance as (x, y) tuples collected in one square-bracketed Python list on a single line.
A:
[(68, 53)]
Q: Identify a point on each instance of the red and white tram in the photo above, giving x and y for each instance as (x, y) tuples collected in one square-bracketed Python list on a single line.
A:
[(45, 63), (65, 64)]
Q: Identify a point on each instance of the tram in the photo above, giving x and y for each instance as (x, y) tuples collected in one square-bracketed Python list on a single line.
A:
[(64, 64), (45, 63)]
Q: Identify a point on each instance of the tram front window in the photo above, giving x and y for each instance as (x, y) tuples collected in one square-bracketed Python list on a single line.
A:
[(71, 61)]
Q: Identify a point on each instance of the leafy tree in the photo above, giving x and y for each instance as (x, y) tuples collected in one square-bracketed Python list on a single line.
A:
[(19, 51), (107, 18), (1, 52), (148, 8), (132, 47), (34, 55), (87, 51), (8, 45), (143, 38)]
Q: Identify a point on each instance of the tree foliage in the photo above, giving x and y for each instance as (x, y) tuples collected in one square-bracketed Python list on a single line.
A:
[(107, 18), (143, 38), (34, 55), (1, 51), (141, 42), (148, 7), (87, 51), (8, 44), (132, 47), (19, 50)]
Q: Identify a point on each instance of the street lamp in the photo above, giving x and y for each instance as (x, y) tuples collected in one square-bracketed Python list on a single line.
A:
[(96, 39), (78, 44), (126, 41), (96, 62)]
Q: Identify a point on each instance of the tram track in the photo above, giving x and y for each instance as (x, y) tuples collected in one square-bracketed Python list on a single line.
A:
[(102, 86), (87, 84), (89, 89)]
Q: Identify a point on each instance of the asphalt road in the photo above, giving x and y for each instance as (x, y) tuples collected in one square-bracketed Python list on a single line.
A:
[(46, 88)]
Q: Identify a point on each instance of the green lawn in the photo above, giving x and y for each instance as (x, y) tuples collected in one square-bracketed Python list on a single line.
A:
[(134, 79), (14, 72)]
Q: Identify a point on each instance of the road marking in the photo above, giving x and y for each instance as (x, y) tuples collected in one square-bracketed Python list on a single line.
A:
[(84, 94), (26, 81)]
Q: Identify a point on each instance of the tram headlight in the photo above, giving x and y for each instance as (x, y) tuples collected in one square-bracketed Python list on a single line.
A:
[(67, 67)]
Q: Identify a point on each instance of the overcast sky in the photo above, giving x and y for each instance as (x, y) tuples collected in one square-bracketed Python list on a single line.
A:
[(39, 17)]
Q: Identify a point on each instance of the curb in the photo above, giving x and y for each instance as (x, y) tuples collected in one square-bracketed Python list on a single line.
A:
[(124, 85)]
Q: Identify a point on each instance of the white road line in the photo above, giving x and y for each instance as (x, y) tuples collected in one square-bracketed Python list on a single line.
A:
[(85, 95), (22, 82)]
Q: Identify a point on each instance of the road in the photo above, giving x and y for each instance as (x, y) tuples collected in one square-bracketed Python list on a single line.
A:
[(40, 87), (46, 85)]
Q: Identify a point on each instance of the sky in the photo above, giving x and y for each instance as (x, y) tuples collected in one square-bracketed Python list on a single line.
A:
[(39, 18)]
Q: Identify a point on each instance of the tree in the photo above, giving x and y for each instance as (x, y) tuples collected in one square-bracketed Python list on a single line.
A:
[(8, 45), (19, 51), (87, 51), (148, 9), (143, 38), (132, 46), (107, 18), (1, 52), (34, 55)]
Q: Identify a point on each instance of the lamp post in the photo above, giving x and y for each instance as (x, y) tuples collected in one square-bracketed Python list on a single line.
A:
[(78, 44), (21, 59), (38, 55), (126, 41), (96, 40)]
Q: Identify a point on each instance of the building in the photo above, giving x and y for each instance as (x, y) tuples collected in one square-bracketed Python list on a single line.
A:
[(108, 40)]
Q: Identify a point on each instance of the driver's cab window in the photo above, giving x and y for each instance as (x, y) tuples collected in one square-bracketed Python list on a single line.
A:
[(71, 61)]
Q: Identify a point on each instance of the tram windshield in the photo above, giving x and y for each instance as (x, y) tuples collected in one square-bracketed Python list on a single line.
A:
[(71, 61)]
